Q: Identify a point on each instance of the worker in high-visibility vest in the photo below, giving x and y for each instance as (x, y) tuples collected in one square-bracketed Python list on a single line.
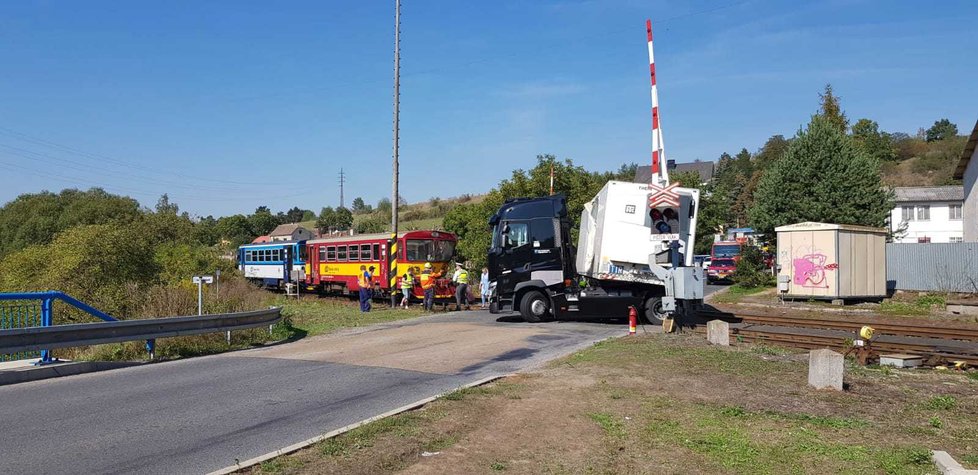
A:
[(363, 281), (407, 288), (461, 279), (428, 276)]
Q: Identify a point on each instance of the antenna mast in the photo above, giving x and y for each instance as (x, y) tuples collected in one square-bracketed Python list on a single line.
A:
[(660, 174), (342, 180)]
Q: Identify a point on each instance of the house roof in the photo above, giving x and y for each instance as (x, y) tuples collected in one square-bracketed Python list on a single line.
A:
[(905, 194), (261, 239), (969, 150), (704, 169), (285, 229)]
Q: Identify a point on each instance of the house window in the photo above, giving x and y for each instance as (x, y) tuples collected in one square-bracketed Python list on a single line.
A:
[(956, 239), (954, 211), (908, 213), (923, 213), (923, 240)]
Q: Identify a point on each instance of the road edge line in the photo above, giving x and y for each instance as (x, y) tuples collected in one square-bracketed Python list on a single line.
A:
[(333, 433)]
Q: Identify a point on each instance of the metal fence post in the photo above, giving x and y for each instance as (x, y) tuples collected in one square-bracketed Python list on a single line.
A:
[(46, 321)]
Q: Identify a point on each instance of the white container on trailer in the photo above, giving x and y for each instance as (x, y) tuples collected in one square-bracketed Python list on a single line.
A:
[(620, 234)]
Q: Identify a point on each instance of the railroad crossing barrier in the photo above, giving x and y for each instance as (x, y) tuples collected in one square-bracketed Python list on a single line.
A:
[(48, 336)]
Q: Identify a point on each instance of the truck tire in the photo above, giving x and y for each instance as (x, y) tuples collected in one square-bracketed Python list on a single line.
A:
[(535, 307), (652, 311)]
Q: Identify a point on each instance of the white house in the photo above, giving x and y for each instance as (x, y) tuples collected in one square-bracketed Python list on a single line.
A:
[(290, 232), (929, 214), (968, 171)]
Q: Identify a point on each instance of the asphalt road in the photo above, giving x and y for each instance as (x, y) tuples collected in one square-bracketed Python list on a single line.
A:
[(202, 414)]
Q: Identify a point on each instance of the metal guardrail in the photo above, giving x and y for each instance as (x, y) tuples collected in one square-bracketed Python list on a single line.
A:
[(41, 314), (84, 334)]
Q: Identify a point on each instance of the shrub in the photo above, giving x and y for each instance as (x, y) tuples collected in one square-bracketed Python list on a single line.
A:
[(751, 271)]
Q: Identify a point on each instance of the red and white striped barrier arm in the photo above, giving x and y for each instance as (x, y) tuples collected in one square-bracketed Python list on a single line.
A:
[(659, 172)]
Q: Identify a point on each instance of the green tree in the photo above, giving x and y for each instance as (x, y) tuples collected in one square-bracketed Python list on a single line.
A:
[(358, 206), (823, 177), (308, 215), (263, 221), (294, 215), (871, 141), (831, 109), (236, 229), (942, 129), (772, 151), (327, 220), (98, 264), (36, 218), (344, 218), (163, 205)]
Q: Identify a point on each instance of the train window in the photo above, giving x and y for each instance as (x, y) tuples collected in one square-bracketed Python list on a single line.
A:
[(354, 253), (365, 252), (377, 252), (303, 253), (322, 254), (341, 253), (331, 253)]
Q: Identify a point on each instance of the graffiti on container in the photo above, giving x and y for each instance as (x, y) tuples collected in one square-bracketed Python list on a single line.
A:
[(809, 270)]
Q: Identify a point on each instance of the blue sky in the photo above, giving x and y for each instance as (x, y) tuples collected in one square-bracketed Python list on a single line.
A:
[(228, 105)]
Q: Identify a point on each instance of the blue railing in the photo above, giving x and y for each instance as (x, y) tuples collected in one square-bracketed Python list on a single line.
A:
[(35, 309)]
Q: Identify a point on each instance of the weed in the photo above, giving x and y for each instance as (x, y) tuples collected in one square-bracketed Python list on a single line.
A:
[(971, 459), (332, 448), (928, 301), (942, 403), (973, 375), (497, 466), (279, 464), (935, 422), (820, 421), (768, 350), (733, 411), (611, 425), (886, 370)]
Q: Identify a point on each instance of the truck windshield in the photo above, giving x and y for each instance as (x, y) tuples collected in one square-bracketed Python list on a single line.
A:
[(726, 250), (429, 250)]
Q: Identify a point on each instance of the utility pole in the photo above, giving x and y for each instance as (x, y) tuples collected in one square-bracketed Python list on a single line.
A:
[(342, 180), (397, 107), (392, 250)]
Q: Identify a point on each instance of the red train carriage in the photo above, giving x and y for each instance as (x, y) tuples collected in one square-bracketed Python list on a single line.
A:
[(333, 263)]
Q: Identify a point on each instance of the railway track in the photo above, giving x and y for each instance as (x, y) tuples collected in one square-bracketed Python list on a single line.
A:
[(938, 344)]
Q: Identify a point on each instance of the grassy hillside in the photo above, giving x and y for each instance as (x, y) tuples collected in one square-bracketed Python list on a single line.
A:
[(925, 163), (416, 216)]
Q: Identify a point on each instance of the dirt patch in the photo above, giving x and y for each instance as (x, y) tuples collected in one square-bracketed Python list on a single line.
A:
[(433, 347), (669, 404)]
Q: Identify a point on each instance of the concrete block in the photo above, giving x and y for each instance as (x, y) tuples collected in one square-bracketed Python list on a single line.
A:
[(825, 368), (899, 360), (948, 466), (718, 332)]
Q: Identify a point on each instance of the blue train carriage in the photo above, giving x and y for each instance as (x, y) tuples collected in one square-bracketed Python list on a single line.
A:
[(272, 264)]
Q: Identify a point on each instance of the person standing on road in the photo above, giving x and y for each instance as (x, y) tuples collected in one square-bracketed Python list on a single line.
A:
[(461, 279), (484, 287)]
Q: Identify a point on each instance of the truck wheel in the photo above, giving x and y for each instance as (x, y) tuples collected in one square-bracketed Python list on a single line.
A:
[(654, 315), (535, 307)]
